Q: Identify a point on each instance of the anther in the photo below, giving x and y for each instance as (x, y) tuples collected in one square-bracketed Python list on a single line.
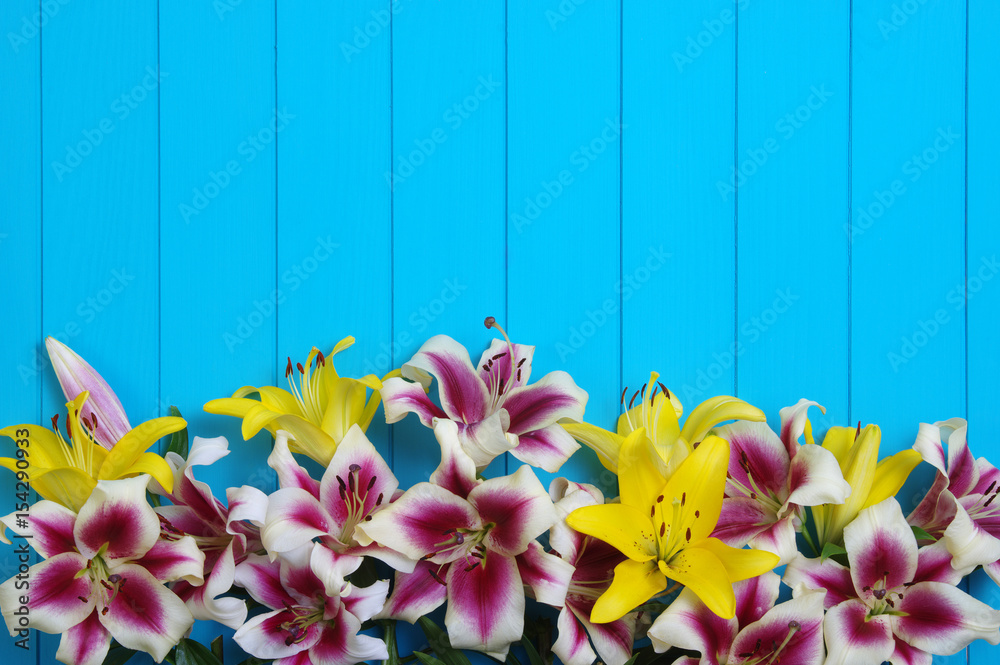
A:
[(320, 358), (437, 578), (350, 480), (55, 422), (499, 356), (663, 529), (659, 499), (371, 483), (520, 362), (879, 593), (378, 501), (354, 468), (83, 599), (687, 535), (664, 389), (288, 368), (298, 366), (697, 513), (624, 392), (684, 496), (632, 401)]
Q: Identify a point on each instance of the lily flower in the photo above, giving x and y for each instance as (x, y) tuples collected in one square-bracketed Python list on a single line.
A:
[(761, 632), (768, 485), (66, 470), (961, 506), (103, 575), (317, 412), (659, 414), (872, 481), (594, 562), (474, 541), (221, 533), (355, 487), (664, 527), (495, 408), (895, 602), (307, 624)]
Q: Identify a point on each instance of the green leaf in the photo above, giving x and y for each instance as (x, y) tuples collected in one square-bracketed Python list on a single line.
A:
[(830, 550), (529, 648), (389, 633), (217, 648), (178, 440), (118, 655), (254, 660), (190, 652), (631, 661), (427, 659), (921, 534), (438, 640), (512, 659)]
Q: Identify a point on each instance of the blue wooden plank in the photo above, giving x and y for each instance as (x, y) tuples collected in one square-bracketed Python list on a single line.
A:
[(563, 200), (907, 349), (983, 248), (218, 133), (99, 179), (20, 264), (674, 212), (447, 184), (792, 163), (333, 201)]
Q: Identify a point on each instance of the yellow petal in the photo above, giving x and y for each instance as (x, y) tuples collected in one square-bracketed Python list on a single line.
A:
[(279, 400), (698, 486), (44, 448), (307, 439), (155, 466), (634, 583), (716, 410), (625, 528), (740, 564), (838, 440), (257, 419), (606, 444), (890, 474), (641, 471), (231, 406), (345, 407), (702, 572), (133, 444), (68, 486)]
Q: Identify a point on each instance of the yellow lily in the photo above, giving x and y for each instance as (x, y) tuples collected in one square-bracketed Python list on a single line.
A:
[(317, 413), (663, 526), (659, 414), (67, 471), (871, 481)]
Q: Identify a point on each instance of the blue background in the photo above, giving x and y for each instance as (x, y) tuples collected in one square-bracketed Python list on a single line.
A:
[(756, 198)]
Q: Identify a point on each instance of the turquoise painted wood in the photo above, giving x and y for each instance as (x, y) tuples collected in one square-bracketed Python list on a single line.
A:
[(747, 198)]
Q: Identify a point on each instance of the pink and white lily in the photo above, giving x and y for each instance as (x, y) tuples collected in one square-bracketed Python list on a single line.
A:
[(474, 541), (593, 563), (761, 632), (355, 486), (307, 624), (895, 602), (492, 404), (103, 575), (220, 532), (770, 481), (961, 506)]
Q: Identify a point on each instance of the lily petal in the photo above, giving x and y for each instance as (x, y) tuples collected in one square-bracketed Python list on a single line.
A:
[(117, 515), (401, 397), (970, 543), (795, 422), (612, 640), (716, 410), (815, 478), (294, 518), (942, 619), (485, 605), (416, 594), (132, 445), (740, 564), (854, 638), (355, 484), (86, 643), (145, 615), (170, 560), (290, 473), (573, 645), (264, 637), (366, 602), (688, 624), (339, 643), (261, 578), (755, 447), (795, 626), (634, 583), (552, 398), (418, 522), (606, 444), (882, 549), (206, 602), (457, 471), (755, 596), (547, 575), (54, 605), (463, 393), (890, 474), (934, 564), (332, 568), (519, 507), (642, 472), (496, 364), (49, 528), (817, 574), (77, 376), (547, 448), (626, 528), (741, 520)]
